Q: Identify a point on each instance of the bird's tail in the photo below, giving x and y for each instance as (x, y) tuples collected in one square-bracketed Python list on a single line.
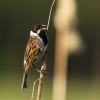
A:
[(25, 81)]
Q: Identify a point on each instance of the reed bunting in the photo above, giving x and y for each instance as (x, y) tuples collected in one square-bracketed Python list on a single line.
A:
[(35, 49)]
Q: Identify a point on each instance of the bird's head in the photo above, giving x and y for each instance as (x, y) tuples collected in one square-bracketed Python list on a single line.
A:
[(38, 28)]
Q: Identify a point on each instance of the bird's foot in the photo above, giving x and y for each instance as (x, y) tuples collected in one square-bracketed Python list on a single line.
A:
[(43, 71)]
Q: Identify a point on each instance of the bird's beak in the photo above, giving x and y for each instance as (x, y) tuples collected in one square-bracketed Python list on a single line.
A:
[(43, 27)]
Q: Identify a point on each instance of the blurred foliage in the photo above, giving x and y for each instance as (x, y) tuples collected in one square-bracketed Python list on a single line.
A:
[(16, 19)]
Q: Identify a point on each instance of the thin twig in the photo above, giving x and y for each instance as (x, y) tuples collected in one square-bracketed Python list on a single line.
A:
[(42, 73), (33, 89), (43, 68), (50, 14)]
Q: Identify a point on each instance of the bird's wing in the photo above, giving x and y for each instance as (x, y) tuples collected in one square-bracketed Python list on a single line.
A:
[(31, 53)]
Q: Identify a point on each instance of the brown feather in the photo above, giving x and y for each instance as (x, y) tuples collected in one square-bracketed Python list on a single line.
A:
[(31, 52)]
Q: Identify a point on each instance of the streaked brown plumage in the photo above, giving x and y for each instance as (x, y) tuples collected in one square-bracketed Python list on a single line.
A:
[(32, 50)]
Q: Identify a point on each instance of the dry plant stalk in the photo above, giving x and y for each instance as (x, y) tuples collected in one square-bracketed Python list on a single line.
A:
[(50, 14), (65, 14), (43, 67), (33, 88), (42, 73)]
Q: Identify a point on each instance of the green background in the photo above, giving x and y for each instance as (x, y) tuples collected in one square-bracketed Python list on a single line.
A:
[(16, 19)]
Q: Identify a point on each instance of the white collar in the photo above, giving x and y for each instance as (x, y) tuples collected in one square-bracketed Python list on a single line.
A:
[(32, 33)]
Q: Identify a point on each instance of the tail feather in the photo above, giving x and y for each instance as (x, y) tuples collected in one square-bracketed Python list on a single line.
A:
[(25, 81)]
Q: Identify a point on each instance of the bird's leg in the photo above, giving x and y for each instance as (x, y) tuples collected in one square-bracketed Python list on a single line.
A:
[(36, 68), (43, 64), (43, 71)]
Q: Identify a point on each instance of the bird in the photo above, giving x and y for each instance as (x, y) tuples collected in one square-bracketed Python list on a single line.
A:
[(35, 49)]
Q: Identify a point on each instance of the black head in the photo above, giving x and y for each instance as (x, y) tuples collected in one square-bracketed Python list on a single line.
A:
[(38, 28), (40, 31)]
